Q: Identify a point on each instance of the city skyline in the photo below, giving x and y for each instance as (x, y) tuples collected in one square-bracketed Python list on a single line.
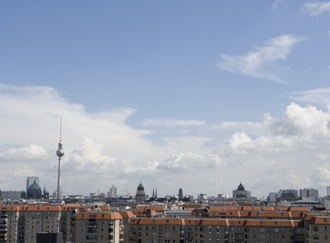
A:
[(143, 194), (191, 95)]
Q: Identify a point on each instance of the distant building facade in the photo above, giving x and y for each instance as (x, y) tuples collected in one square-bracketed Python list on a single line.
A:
[(30, 180), (240, 193), (328, 190), (20, 224), (99, 227), (180, 194), (309, 193), (140, 196), (34, 191), (10, 195), (113, 192), (287, 195)]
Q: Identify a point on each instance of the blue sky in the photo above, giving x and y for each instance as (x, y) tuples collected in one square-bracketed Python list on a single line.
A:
[(171, 93)]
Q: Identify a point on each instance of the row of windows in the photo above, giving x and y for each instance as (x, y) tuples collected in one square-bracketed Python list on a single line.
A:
[(217, 229)]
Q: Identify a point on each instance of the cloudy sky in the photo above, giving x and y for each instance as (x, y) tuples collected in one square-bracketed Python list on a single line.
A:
[(198, 95)]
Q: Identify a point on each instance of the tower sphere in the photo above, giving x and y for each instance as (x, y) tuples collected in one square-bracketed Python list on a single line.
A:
[(60, 151)]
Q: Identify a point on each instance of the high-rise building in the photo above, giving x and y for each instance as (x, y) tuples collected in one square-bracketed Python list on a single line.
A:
[(113, 192), (287, 195), (309, 193), (180, 194), (328, 190), (272, 197)]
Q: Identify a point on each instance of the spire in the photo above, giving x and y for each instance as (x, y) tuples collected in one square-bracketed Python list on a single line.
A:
[(60, 129), (59, 153)]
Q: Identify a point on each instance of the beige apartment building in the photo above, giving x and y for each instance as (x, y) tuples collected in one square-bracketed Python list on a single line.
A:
[(98, 227), (231, 224), (215, 230), (151, 224), (20, 224)]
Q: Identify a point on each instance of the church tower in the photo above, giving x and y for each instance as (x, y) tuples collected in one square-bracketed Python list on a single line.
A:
[(140, 196)]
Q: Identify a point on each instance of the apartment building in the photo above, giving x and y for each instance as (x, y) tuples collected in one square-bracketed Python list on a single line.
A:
[(155, 230), (21, 223), (317, 228), (148, 223), (215, 230), (98, 227), (235, 224)]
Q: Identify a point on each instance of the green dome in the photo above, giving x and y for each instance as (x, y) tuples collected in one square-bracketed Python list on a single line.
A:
[(34, 191)]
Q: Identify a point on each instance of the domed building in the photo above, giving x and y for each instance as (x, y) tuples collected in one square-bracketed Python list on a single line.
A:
[(240, 193), (34, 191), (240, 187), (140, 196)]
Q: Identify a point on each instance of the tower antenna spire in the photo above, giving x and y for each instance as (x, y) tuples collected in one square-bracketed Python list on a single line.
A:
[(60, 129)]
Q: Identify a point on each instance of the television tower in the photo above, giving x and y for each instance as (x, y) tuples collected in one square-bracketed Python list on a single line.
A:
[(59, 153)]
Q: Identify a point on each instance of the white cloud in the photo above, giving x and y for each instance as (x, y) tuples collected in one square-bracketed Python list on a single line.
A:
[(101, 149), (316, 96), (257, 63), (321, 176), (252, 127), (299, 139), (189, 161), (172, 123), (239, 140), (33, 152), (32, 114), (316, 8), (301, 121)]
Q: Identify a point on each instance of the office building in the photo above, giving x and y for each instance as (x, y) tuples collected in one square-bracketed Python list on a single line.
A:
[(309, 193), (113, 192), (10, 195), (180, 194), (328, 190)]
